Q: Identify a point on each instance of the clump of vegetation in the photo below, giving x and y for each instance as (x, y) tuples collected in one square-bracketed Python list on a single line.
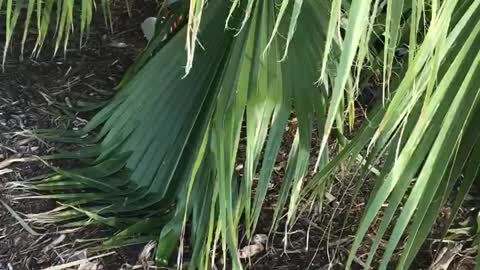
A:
[(161, 155)]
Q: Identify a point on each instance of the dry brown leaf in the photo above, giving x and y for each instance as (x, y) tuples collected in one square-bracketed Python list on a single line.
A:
[(250, 251)]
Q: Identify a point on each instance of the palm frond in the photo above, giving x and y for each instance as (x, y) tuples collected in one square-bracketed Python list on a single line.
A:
[(51, 17), (231, 79)]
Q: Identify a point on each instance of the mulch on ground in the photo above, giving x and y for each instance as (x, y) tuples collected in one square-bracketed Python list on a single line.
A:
[(39, 93)]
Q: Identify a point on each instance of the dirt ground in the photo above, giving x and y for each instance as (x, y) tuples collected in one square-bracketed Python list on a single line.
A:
[(37, 93)]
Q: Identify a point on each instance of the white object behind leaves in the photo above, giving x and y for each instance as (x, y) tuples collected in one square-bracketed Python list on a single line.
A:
[(148, 27)]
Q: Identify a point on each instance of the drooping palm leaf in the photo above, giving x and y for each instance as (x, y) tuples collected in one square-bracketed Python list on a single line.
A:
[(51, 17), (431, 129)]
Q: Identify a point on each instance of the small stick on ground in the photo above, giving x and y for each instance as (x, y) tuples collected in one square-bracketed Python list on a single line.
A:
[(75, 263), (19, 219)]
